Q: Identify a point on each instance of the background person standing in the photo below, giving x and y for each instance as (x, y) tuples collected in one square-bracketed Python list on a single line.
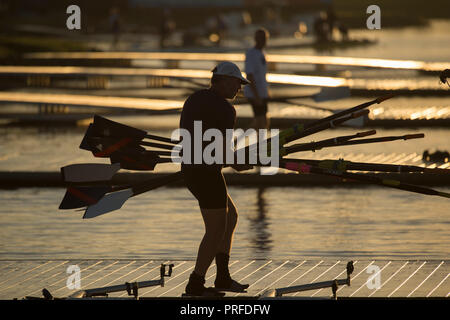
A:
[(257, 91)]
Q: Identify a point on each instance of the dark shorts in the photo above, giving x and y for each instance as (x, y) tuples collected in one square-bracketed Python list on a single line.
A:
[(258, 110), (208, 187)]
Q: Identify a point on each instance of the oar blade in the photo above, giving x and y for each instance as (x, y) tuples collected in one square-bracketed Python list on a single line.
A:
[(102, 147), (107, 128), (80, 197), (145, 161), (110, 202), (89, 172), (85, 145)]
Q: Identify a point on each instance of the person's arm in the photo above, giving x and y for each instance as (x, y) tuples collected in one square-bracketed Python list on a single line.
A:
[(252, 85)]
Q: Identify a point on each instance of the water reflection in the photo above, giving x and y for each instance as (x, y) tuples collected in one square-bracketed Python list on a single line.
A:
[(259, 224)]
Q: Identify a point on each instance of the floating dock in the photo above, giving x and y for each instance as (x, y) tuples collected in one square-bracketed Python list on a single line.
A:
[(42, 75), (396, 278), (15, 179), (175, 57)]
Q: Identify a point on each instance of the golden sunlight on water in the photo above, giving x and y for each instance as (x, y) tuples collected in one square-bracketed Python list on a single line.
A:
[(274, 223)]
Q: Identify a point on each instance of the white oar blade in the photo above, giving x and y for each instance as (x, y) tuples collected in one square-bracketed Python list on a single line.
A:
[(88, 172), (110, 202), (332, 93)]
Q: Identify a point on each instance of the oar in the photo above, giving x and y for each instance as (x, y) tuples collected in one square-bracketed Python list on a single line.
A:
[(115, 200), (330, 143), (343, 165), (313, 146), (122, 196), (93, 134), (103, 147), (86, 172), (103, 127), (306, 168), (303, 132), (143, 162), (381, 139), (356, 123), (83, 196), (297, 131)]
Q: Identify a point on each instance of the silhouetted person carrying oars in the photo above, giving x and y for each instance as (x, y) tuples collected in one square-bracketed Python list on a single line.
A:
[(206, 181)]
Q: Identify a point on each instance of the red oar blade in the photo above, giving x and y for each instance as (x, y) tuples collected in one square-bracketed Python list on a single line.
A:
[(89, 172), (79, 197), (102, 147), (110, 202)]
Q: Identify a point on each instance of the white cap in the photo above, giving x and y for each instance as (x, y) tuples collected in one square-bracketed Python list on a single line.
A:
[(229, 69)]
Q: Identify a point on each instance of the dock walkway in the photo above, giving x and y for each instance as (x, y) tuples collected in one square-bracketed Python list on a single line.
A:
[(397, 278)]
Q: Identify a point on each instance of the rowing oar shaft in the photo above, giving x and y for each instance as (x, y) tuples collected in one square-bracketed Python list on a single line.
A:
[(162, 139), (384, 139), (295, 132), (305, 168), (331, 143), (312, 146), (342, 165), (302, 131), (156, 183), (159, 145)]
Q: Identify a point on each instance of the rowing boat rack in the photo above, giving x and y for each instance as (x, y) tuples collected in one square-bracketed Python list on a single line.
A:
[(131, 288), (333, 284)]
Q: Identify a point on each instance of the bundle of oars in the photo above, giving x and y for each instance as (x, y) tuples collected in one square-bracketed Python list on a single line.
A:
[(89, 185)]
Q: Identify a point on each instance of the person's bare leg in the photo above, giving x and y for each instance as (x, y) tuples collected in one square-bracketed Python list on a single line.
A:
[(223, 278), (215, 226), (231, 221)]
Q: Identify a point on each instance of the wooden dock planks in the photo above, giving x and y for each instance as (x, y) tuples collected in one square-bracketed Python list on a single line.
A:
[(398, 278)]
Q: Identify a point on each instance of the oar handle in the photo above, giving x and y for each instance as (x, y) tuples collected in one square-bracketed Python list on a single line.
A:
[(413, 136), (366, 133)]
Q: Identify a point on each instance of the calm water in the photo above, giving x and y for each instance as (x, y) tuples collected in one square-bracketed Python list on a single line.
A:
[(284, 223), (274, 223)]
